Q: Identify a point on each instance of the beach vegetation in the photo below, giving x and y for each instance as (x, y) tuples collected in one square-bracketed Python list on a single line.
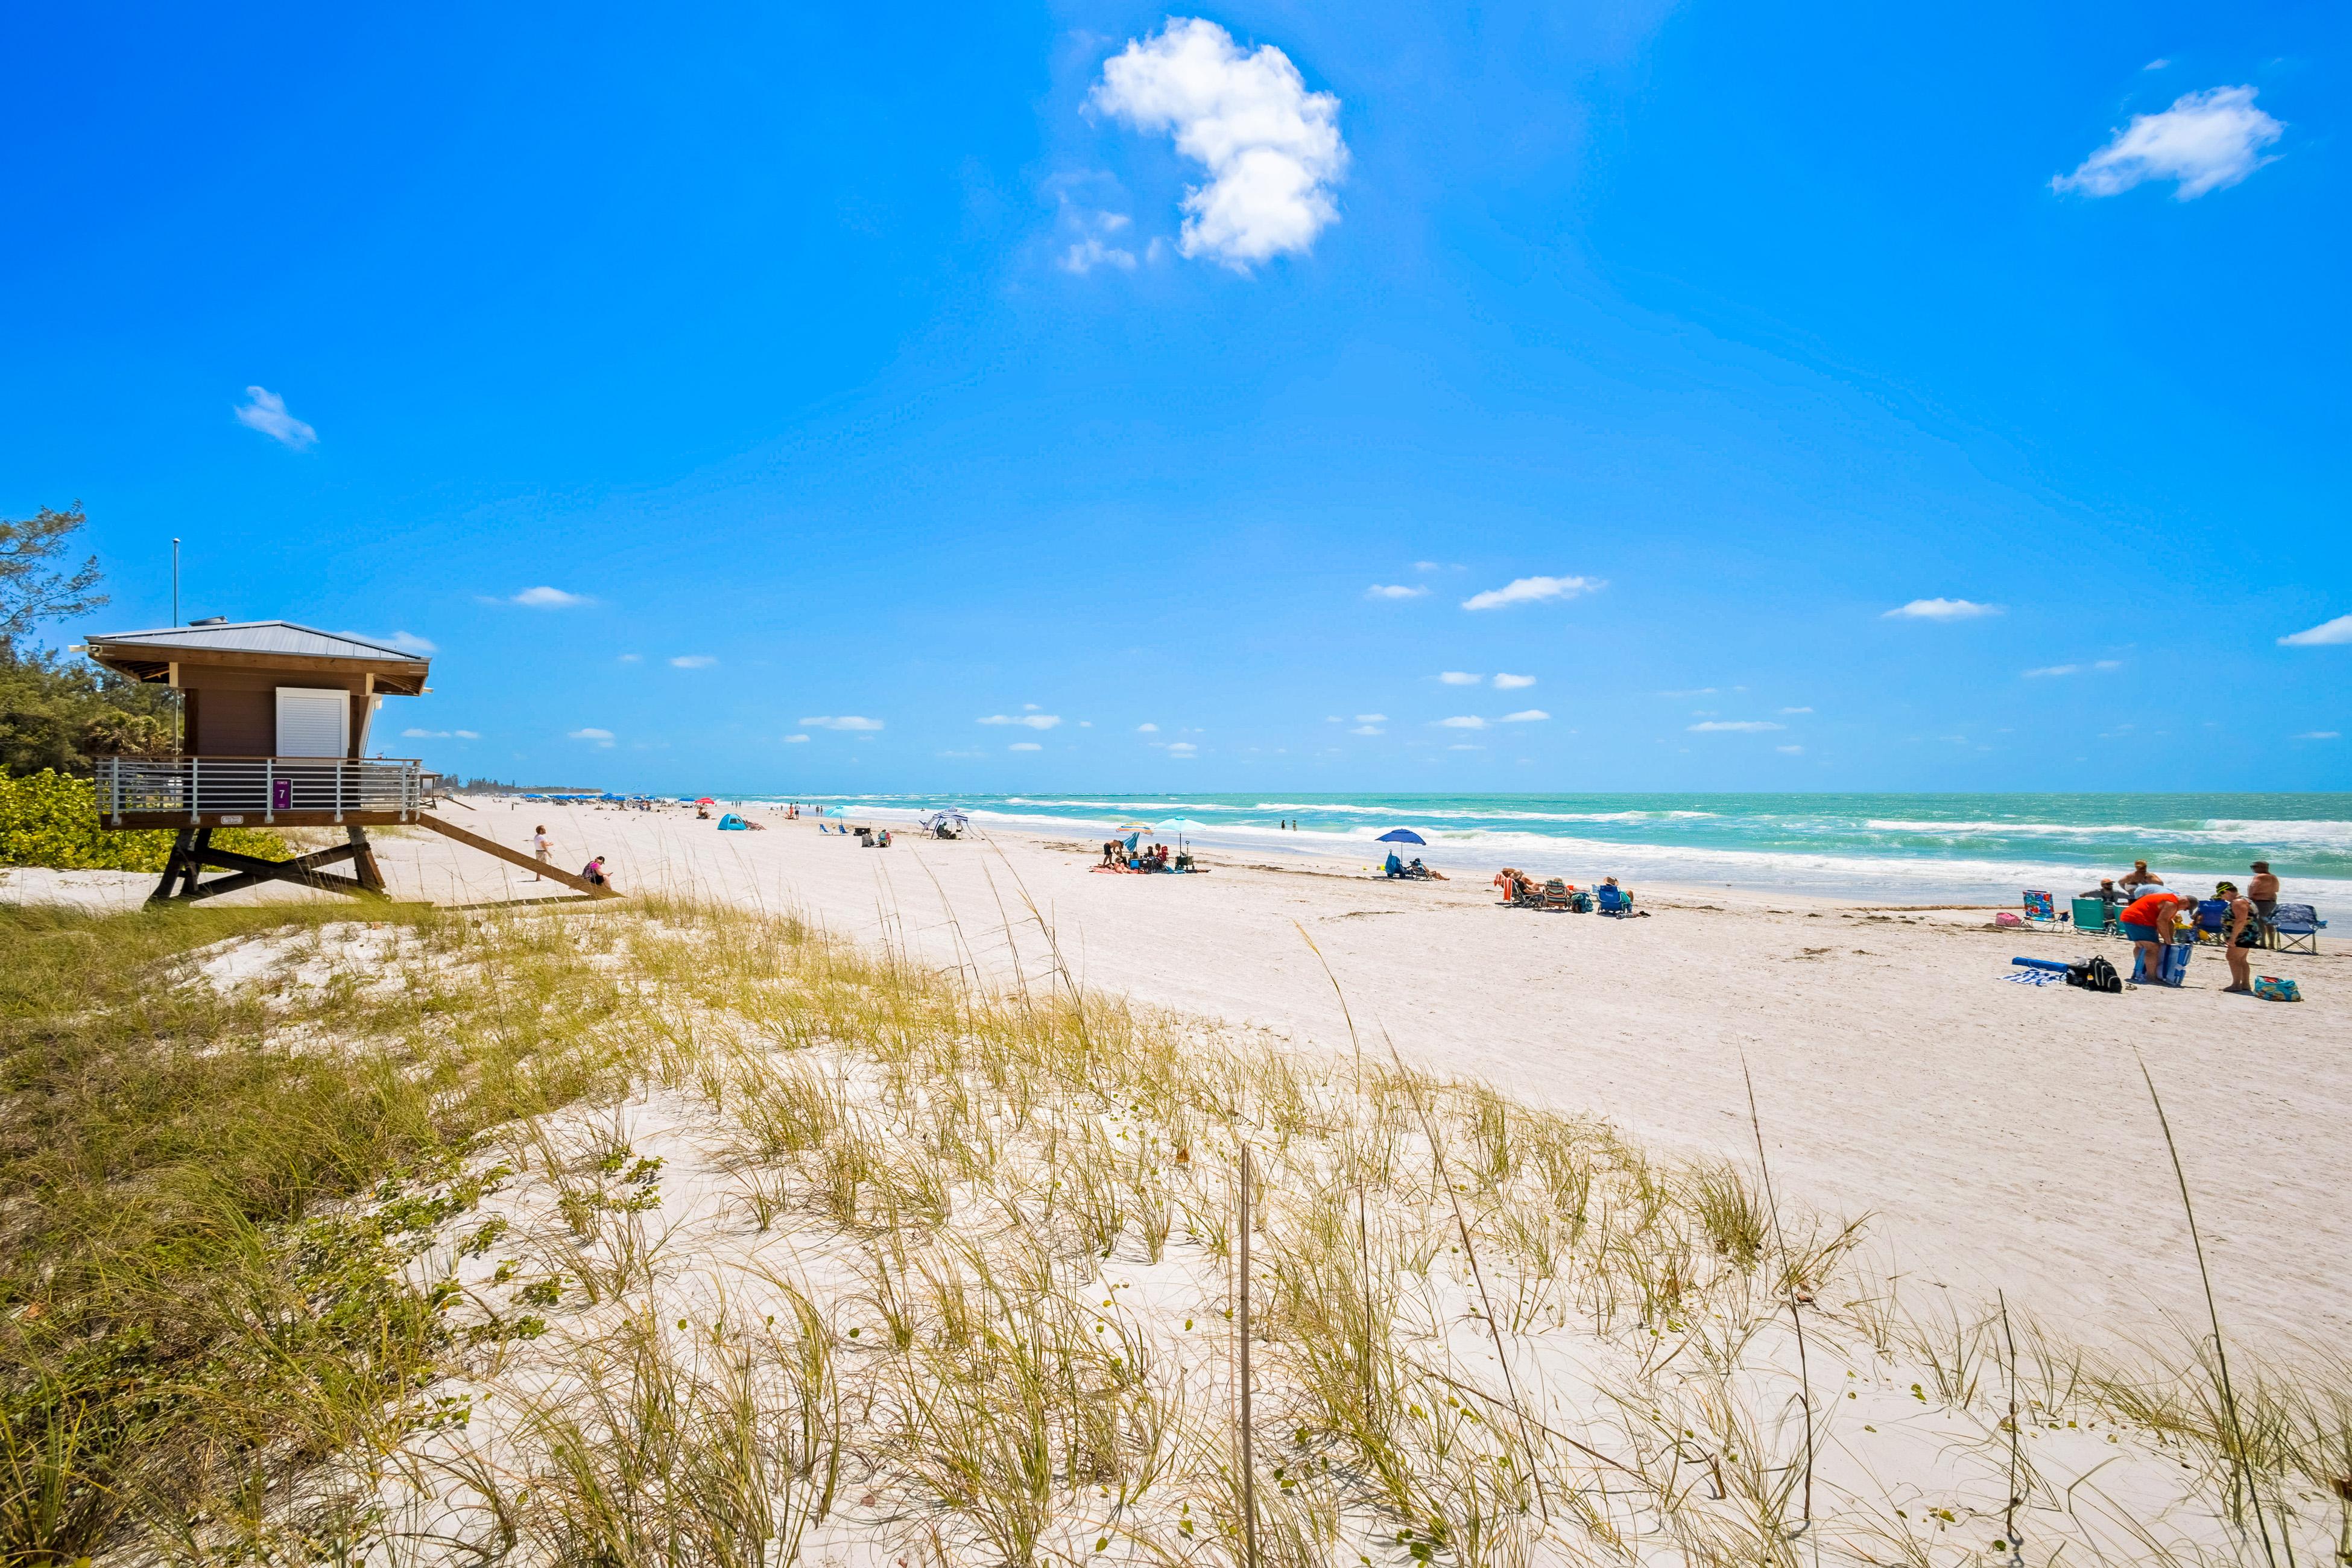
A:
[(663, 1232)]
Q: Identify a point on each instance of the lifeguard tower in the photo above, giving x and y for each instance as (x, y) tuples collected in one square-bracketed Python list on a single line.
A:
[(275, 734), (276, 725)]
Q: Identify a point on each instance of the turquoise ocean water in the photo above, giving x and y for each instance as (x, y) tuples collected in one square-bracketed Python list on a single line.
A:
[(1917, 848)]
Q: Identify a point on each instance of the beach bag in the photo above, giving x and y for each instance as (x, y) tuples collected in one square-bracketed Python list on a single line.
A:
[(2095, 974), (2271, 988)]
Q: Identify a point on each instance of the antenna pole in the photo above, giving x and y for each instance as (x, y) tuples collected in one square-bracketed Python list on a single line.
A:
[(175, 582)]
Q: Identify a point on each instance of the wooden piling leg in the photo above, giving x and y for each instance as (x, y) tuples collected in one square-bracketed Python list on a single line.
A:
[(183, 842), (198, 842), (363, 865)]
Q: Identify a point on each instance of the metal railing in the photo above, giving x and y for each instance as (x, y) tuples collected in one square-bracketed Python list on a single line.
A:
[(257, 788)]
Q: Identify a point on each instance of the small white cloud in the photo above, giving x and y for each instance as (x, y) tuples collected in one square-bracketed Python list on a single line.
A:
[(1738, 726), (1940, 610), (2205, 141), (467, 734), (2326, 634), (1513, 682), (1394, 591), (1694, 691), (1032, 720), (1024, 746), (846, 722), (264, 411), (601, 737), (1796, 709), (413, 734), (1029, 707), (1463, 721), (1181, 748), (1459, 678), (1526, 716), (2156, 64), (2320, 735), (1091, 252), (2054, 669), (546, 598), (1531, 590), (795, 739), (692, 661), (1146, 729), (1367, 730), (632, 658), (1465, 746), (1371, 718), (1271, 148), (1790, 750)]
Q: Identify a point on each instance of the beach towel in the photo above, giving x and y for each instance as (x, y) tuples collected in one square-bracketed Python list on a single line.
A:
[(2035, 977)]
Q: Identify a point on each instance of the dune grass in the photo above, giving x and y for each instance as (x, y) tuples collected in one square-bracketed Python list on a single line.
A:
[(669, 1233)]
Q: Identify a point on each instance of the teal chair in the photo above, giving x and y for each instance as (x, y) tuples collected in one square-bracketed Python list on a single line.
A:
[(2091, 915)]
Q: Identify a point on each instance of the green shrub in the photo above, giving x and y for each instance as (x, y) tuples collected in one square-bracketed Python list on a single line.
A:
[(49, 818)]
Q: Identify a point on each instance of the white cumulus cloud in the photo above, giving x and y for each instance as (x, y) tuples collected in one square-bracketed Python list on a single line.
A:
[(1790, 750), (1796, 709), (1091, 252), (1940, 610), (1459, 678), (1371, 718), (546, 598), (2324, 634), (2320, 735), (692, 661), (1024, 746), (1394, 591), (1526, 716), (1513, 682), (1530, 590), (2205, 141), (1463, 721), (1740, 726), (1033, 721), (1272, 149), (602, 737), (1146, 729), (846, 722), (795, 739), (264, 411), (1181, 748), (1367, 730), (413, 734)]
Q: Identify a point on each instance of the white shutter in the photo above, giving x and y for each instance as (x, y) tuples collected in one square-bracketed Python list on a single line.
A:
[(313, 722)]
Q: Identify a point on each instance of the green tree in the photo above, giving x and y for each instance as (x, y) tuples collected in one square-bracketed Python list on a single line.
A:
[(32, 588), (58, 712)]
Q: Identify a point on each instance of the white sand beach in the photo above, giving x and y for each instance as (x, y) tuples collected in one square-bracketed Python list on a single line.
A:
[(1996, 1135)]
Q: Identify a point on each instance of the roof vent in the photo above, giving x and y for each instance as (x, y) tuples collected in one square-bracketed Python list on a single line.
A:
[(211, 621)]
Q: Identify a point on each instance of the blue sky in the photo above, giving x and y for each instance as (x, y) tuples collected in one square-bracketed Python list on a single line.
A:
[(942, 366)]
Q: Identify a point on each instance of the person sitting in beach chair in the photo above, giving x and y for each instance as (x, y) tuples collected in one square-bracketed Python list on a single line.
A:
[(1393, 866), (1556, 895), (1616, 900)]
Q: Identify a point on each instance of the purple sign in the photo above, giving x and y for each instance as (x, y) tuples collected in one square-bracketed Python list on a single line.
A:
[(281, 795)]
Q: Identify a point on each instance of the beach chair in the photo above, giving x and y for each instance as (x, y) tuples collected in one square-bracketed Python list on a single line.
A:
[(1615, 902), (1555, 896), (2091, 915), (2038, 906), (2295, 928), (2213, 921)]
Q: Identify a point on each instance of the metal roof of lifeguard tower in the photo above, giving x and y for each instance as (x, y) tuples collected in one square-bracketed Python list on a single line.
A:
[(148, 655)]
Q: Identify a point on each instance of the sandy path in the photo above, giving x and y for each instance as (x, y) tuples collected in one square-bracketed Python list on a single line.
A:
[(1997, 1135)]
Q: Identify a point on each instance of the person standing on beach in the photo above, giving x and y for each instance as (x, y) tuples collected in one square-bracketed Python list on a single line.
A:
[(2262, 891), (2147, 922), (2139, 877), (543, 847), (2241, 932)]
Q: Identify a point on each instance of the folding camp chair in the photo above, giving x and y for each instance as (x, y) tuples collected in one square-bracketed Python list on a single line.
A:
[(1613, 901), (2295, 928), (2092, 915), (2038, 906), (2213, 921)]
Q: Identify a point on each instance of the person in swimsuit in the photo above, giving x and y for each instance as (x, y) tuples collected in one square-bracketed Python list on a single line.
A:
[(2140, 878), (2262, 891), (2244, 933)]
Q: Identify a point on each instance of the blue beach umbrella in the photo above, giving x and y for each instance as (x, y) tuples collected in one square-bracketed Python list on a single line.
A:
[(1400, 835)]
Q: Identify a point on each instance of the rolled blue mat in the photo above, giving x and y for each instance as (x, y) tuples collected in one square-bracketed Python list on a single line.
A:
[(2039, 963)]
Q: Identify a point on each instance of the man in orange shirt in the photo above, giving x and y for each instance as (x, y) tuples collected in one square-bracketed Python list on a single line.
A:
[(2147, 922)]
